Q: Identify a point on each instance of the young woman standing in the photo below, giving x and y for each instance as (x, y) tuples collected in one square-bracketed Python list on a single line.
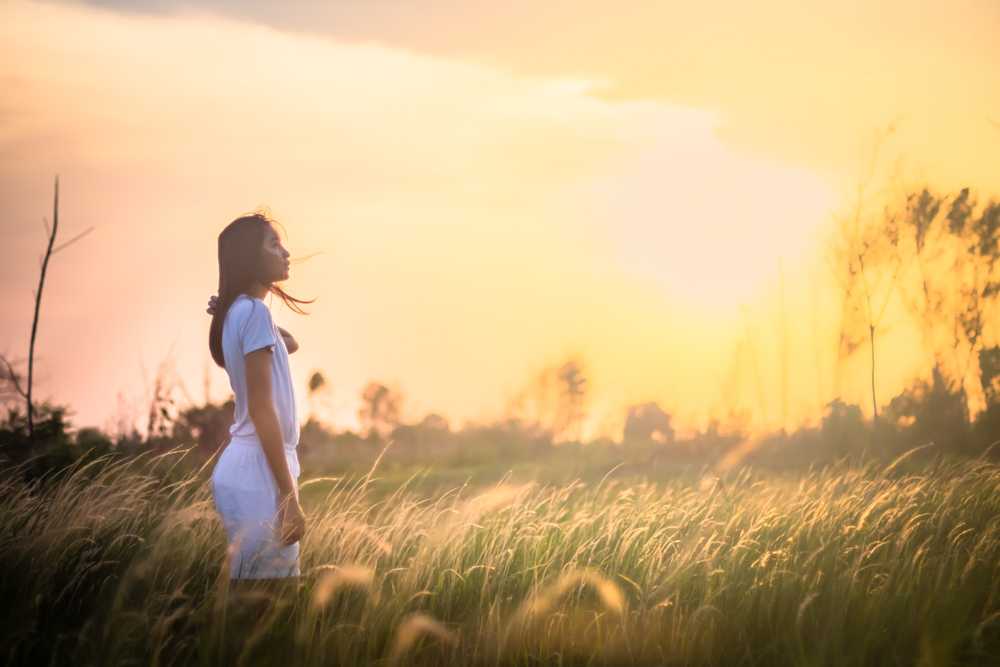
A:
[(254, 483)]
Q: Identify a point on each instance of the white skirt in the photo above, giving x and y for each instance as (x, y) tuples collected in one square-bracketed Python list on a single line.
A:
[(246, 497)]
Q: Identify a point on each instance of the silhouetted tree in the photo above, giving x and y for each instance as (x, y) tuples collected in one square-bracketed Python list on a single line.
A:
[(976, 268), (929, 413), (205, 425), (989, 374), (49, 251), (648, 421), (866, 261), (55, 448), (955, 253), (379, 412), (11, 381), (844, 429), (430, 436), (436, 422), (317, 384), (923, 233), (572, 387), (553, 402)]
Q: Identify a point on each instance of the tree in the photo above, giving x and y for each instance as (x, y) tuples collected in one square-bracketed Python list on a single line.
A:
[(943, 251), (316, 382), (319, 389), (49, 251), (435, 422), (379, 411), (955, 256), (205, 425), (554, 401), (572, 397), (648, 421), (52, 447), (989, 374), (929, 413), (11, 380), (866, 261), (843, 428), (923, 235), (976, 266)]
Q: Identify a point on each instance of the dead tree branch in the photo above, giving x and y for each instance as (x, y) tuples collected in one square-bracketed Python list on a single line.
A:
[(34, 323)]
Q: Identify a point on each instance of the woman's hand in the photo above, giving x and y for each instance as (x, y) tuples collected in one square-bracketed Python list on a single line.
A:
[(290, 343), (291, 521)]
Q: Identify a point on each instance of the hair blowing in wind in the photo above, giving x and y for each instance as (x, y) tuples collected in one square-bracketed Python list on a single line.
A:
[(241, 271)]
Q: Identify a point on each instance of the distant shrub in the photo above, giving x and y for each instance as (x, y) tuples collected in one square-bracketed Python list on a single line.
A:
[(55, 446)]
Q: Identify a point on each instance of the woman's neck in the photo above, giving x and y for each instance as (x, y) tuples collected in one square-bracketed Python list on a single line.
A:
[(258, 292)]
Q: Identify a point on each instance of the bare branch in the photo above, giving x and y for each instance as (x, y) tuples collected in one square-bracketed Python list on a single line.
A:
[(72, 240), (9, 377), (34, 323)]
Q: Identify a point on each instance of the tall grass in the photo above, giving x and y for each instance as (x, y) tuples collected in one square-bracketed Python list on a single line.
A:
[(109, 565)]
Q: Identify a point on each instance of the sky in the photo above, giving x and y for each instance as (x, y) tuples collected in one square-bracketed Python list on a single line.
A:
[(485, 188)]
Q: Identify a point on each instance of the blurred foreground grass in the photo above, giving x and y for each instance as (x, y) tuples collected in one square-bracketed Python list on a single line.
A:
[(114, 565)]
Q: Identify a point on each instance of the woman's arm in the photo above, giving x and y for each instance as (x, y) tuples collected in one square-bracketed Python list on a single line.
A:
[(290, 341), (291, 521)]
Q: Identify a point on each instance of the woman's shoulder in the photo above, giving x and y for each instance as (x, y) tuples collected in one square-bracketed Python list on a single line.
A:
[(244, 305)]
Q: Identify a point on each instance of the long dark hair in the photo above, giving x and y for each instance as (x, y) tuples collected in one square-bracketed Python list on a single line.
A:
[(241, 270)]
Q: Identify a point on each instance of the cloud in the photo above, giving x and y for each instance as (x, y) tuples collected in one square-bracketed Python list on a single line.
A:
[(472, 222)]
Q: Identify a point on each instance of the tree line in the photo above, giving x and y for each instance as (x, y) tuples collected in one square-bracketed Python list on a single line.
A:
[(935, 253)]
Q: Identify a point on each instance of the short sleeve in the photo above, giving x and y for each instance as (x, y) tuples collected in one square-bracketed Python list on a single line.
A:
[(258, 330)]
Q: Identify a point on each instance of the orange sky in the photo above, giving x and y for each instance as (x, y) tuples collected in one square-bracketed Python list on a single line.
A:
[(491, 186)]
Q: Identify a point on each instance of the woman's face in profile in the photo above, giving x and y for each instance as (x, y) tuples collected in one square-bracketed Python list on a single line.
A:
[(275, 257)]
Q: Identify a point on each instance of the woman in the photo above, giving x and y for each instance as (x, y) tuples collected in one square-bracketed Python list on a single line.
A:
[(254, 482)]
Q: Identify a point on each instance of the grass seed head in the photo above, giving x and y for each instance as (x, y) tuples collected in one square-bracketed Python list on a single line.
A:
[(549, 598), (412, 630), (357, 577)]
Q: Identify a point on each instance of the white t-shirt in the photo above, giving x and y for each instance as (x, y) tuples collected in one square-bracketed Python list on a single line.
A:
[(249, 327)]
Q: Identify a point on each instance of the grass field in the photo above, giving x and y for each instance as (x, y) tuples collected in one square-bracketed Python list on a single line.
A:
[(111, 566)]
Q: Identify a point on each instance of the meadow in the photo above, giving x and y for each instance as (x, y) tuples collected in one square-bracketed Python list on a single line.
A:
[(122, 563)]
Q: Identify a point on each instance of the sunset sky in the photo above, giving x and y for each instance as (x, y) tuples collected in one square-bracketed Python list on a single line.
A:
[(488, 187)]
